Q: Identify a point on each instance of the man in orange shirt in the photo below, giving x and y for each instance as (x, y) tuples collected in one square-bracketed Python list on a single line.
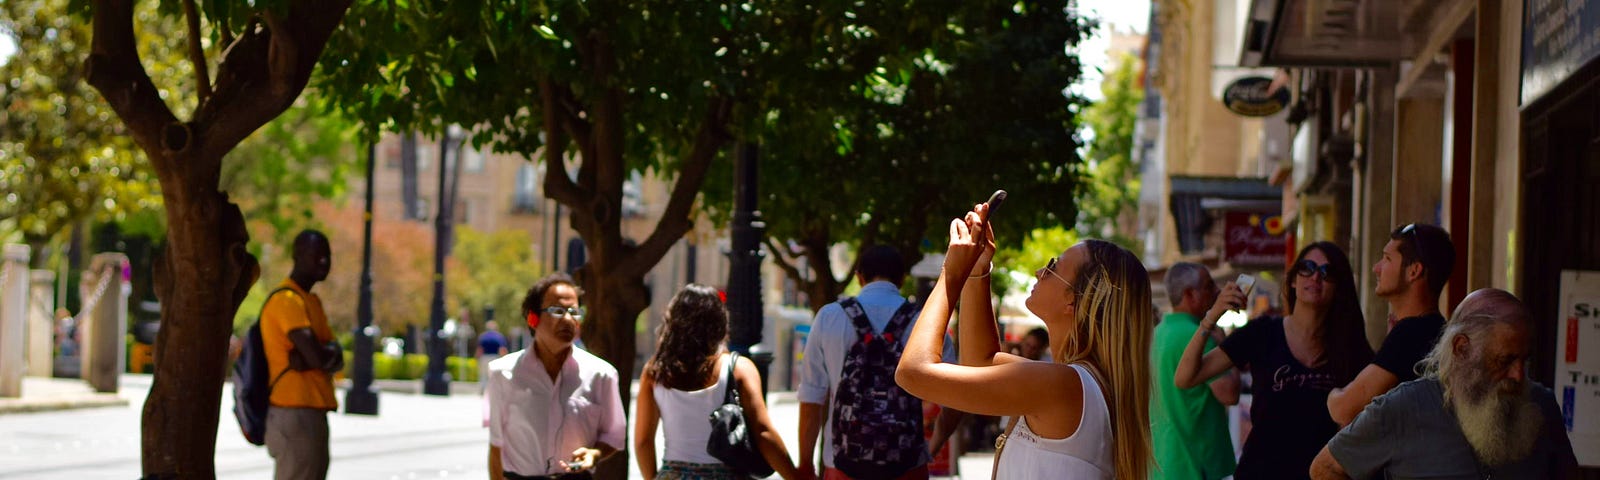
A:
[(301, 357)]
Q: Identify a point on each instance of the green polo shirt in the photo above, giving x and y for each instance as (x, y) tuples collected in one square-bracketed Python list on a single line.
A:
[(1188, 427)]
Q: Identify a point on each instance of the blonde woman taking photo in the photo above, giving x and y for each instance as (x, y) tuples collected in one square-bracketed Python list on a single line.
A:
[(1083, 415)]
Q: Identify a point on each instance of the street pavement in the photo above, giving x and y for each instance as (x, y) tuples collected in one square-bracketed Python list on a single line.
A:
[(413, 437)]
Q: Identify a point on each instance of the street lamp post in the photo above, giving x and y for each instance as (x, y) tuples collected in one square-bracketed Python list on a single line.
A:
[(362, 398), (436, 381), (744, 271)]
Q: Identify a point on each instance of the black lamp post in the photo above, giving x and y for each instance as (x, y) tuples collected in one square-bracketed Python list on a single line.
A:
[(436, 381), (362, 398), (744, 271)]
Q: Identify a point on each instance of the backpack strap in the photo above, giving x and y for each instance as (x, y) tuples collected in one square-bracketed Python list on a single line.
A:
[(858, 317), (901, 320), (894, 331), (264, 303)]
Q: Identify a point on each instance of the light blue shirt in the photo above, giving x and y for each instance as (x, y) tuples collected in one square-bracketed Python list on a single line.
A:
[(832, 334)]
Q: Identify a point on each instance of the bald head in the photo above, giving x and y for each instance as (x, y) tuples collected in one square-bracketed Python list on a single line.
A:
[(1491, 304)]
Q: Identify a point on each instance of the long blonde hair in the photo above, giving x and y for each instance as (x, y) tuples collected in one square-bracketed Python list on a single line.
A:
[(1114, 322)]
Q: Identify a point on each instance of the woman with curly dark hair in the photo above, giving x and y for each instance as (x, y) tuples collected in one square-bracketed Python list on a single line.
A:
[(685, 381), (1296, 360)]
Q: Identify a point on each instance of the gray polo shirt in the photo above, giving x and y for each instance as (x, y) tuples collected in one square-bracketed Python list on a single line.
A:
[(1409, 434)]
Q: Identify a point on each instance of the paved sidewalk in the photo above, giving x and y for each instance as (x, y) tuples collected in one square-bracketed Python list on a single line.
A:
[(50, 394)]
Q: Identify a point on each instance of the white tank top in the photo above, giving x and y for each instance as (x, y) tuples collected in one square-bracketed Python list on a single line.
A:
[(1085, 454), (686, 417)]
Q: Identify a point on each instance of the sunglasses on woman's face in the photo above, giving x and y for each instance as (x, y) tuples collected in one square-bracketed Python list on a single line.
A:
[(1307, 268)]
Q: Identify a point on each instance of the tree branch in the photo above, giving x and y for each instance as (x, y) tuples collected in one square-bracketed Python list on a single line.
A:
[(557, 185), (197, 55), (784, 258), (113, 69), (264, 70), (675, 220)]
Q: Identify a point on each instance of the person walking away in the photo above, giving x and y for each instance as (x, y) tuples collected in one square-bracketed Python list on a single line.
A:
[(685, 381)]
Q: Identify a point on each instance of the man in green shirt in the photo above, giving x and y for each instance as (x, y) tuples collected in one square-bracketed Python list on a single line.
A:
[(1189, 426)]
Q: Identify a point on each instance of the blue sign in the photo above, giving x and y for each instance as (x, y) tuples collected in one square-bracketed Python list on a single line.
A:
[(1558, 38)]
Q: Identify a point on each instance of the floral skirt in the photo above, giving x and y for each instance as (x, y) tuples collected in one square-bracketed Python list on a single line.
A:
[(672, 470)]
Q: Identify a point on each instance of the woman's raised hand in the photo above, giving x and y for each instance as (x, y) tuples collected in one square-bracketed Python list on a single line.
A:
[(969, 241)]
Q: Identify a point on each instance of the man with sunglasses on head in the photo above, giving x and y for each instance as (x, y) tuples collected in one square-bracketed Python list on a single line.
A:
[(554, 409), (1412, 272)]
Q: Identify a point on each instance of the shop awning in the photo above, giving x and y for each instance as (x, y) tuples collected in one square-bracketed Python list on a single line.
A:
[(1331, 33), (1192, 197)]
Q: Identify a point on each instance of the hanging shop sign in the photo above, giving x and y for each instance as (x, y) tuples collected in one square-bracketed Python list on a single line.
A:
[(1256, 96), (1254, 238)]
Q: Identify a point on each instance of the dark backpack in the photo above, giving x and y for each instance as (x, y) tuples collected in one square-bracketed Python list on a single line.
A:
[(877, 426), (251, 390)]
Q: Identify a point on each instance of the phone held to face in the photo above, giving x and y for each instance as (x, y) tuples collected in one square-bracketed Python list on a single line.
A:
[(1246, 284)]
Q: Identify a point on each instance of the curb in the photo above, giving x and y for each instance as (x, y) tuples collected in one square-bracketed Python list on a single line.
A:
[(52, 404)]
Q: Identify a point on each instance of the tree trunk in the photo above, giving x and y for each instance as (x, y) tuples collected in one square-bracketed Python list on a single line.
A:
[(201, 276), (614, 303)]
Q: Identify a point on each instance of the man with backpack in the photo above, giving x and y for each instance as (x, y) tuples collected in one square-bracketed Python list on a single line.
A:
[(874, 428), (301, 357)]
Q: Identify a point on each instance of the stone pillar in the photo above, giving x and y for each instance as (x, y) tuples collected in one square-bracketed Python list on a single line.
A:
[(41, 323), (104, 322), (13, 318)]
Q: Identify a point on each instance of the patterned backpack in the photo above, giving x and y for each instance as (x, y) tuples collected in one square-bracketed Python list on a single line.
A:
[(877, 426)]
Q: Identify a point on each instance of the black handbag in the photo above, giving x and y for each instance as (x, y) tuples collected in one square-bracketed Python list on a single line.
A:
[(731, 441)]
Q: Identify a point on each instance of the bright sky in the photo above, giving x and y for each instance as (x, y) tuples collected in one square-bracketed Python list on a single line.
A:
[(1092, 53), (6, 48)]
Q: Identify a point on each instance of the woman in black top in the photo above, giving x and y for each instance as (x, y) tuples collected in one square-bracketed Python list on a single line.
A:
[(1295, 361)]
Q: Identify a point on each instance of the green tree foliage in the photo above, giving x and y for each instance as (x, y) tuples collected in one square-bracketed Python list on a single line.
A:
[(981, 107), (1112, 188), (64, 155), (492, 269), (602, 89)]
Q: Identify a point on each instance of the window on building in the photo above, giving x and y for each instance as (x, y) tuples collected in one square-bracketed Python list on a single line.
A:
[(525, 195), (633, 196), (473, 157)]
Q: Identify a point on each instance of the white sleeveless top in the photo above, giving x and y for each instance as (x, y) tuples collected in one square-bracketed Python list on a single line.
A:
[(686, 418), (1085, 454)]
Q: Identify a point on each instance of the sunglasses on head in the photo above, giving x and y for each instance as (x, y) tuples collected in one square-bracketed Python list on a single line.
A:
[(1416, 238), (1307, 268)]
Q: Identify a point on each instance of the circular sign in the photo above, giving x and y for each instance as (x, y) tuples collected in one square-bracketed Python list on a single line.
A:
[(1255, 97)]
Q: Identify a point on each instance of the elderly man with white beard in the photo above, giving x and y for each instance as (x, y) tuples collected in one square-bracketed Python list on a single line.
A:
[(1473, 415)]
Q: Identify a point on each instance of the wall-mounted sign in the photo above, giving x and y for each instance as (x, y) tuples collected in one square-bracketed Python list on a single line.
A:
[(1255, 96), (1254, 238), (1577, 372), (1558, 38)]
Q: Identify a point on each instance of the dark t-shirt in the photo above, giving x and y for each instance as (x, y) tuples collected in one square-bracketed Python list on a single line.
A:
[(491, 342), (1410, 341), (1410, 434), (1289, 403)]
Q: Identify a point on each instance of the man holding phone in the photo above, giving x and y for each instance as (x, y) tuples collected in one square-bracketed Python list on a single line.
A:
[(1189, 426), (554, 409), (1411, 273)]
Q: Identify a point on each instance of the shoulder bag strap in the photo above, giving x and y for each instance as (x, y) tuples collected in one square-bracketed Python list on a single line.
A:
[(731, 395), (1000, 445)]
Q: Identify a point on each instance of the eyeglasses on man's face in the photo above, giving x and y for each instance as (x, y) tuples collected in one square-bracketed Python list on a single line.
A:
[(575, 312)]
